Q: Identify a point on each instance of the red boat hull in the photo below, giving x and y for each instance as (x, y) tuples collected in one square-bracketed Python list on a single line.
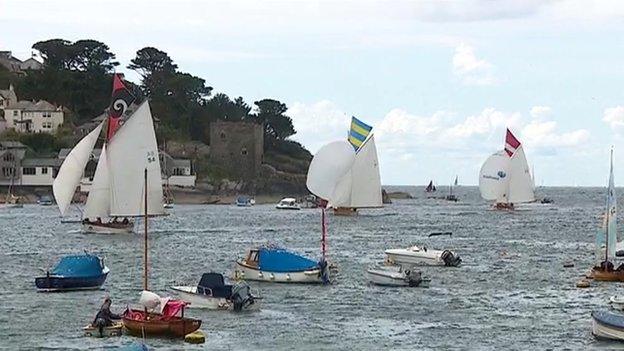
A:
[(139, 323)]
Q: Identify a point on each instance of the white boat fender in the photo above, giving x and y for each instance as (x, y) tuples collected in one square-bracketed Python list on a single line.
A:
[(260, 275), (272, 276), (288, 277)]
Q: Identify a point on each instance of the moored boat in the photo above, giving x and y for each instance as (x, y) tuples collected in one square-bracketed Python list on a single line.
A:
[(505, 177), (287, 203), (277, 265), (45, 200), (113, 330), (243, 201), (608, 325), (213, 293), (617, 302), (395, 276), (420, 255), (76, 272)]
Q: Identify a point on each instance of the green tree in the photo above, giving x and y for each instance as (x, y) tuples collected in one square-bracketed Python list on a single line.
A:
[(276, 124)]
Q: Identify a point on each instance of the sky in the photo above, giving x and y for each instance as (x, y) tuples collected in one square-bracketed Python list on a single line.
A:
[(438, 80)]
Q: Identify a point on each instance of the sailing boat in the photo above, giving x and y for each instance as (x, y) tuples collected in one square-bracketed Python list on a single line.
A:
[(451, 196), (360, 186), (604, 269), (430, 188), (505, 176), (100, 210), (11, 200), (159, 316)]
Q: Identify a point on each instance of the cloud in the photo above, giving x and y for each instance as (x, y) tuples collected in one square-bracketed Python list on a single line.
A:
[(476, 10), (614, 117), (318, 123), (470, 69), (543, 135), (540, 111)]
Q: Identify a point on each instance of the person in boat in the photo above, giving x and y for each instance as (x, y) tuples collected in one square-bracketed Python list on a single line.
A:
[(125, 220), (104, 317), (607, 265), (98, 220)]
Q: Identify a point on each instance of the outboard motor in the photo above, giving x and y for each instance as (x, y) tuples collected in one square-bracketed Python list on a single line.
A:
[(241, 296), (449, 259), (324, 268), (413, 278)]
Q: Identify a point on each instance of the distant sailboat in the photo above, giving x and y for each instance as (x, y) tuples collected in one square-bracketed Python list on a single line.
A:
[(11, 200), (451, 196), (505, 176), (431, 187), (604, 269)]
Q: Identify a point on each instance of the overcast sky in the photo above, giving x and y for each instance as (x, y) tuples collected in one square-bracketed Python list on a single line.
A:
[(439, 81)]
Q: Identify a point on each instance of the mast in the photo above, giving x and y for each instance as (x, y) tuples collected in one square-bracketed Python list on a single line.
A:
[(145, 235), (324, 233)]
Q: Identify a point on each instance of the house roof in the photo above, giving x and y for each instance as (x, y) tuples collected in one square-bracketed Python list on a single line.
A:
[(12, 144), (26, 105), (38, 162)]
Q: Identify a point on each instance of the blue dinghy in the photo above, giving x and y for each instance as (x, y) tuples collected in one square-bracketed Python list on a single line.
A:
[(76, 272)]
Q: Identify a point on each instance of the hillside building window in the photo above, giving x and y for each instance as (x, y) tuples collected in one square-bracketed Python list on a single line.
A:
[(244, 151), (222, 135), (9, 157), (15, 113), (8, 171), (28, 171), (44, 170)]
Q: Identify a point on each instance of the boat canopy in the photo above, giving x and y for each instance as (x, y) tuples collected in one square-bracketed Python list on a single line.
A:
[(79, 266), (280, 260), (216, 284)]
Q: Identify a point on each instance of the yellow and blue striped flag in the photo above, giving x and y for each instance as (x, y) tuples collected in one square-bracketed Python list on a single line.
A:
[(358, 133)]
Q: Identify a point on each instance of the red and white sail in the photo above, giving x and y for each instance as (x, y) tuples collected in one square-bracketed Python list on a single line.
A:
[(505, 176)]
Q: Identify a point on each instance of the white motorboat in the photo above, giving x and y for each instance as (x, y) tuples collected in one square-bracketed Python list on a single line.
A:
[(395, 276), (417, 255), (617, 302), (608, 325), (288, 203), (212, 293)]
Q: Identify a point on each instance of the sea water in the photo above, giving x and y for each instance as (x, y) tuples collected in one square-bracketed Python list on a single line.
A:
[(511, 291)]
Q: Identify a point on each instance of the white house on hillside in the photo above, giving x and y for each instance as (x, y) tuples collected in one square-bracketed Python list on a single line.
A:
[(39, 171), (33, 117)]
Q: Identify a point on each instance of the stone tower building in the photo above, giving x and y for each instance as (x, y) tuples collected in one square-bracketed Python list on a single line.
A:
[(237, 147)]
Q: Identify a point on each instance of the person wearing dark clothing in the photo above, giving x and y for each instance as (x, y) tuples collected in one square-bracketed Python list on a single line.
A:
[(104, 317)]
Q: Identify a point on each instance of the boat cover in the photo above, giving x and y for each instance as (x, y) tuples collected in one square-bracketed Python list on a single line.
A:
[(79, 266), (280, 260), (216, 284), (242, 200), (609, 318)]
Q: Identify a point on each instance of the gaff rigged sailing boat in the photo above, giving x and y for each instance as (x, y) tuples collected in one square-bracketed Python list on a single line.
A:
[(451, 196), (604, 270), (360, 186), (505, 176), (430, 188), (106, 202)]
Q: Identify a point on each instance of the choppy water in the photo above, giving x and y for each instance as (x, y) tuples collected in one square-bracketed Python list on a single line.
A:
[(521, 300)]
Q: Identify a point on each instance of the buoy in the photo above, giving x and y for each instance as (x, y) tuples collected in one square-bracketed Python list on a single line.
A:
[(568, 264), (583, 283), (196, 337)]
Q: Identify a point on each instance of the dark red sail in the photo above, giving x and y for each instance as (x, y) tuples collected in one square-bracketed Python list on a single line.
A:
[(121, 98)]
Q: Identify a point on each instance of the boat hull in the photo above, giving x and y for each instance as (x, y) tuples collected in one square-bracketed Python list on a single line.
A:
[(426, 258), (345, 211), (379, 278), (603, 330), (245, 272), (53, 283), (280, 207), (176, 327), (93, 228), (186, 293), (607, 275), (113, 330)]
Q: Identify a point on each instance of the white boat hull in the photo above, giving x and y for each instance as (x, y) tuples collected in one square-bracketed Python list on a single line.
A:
[(379, 278), (606, 332), (186, 293), (417, 258), (96, 229), (245, 272)]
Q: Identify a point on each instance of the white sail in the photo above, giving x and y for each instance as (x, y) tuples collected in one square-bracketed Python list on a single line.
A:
[(520, 181), (494, 176), (611, 216), (328, 167), (70, 173), (132, 150), (98, 202), (365, 189)]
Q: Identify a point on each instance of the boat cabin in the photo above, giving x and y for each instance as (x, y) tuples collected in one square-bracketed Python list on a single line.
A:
[(213, 284), (252, 258), (288, 202)]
